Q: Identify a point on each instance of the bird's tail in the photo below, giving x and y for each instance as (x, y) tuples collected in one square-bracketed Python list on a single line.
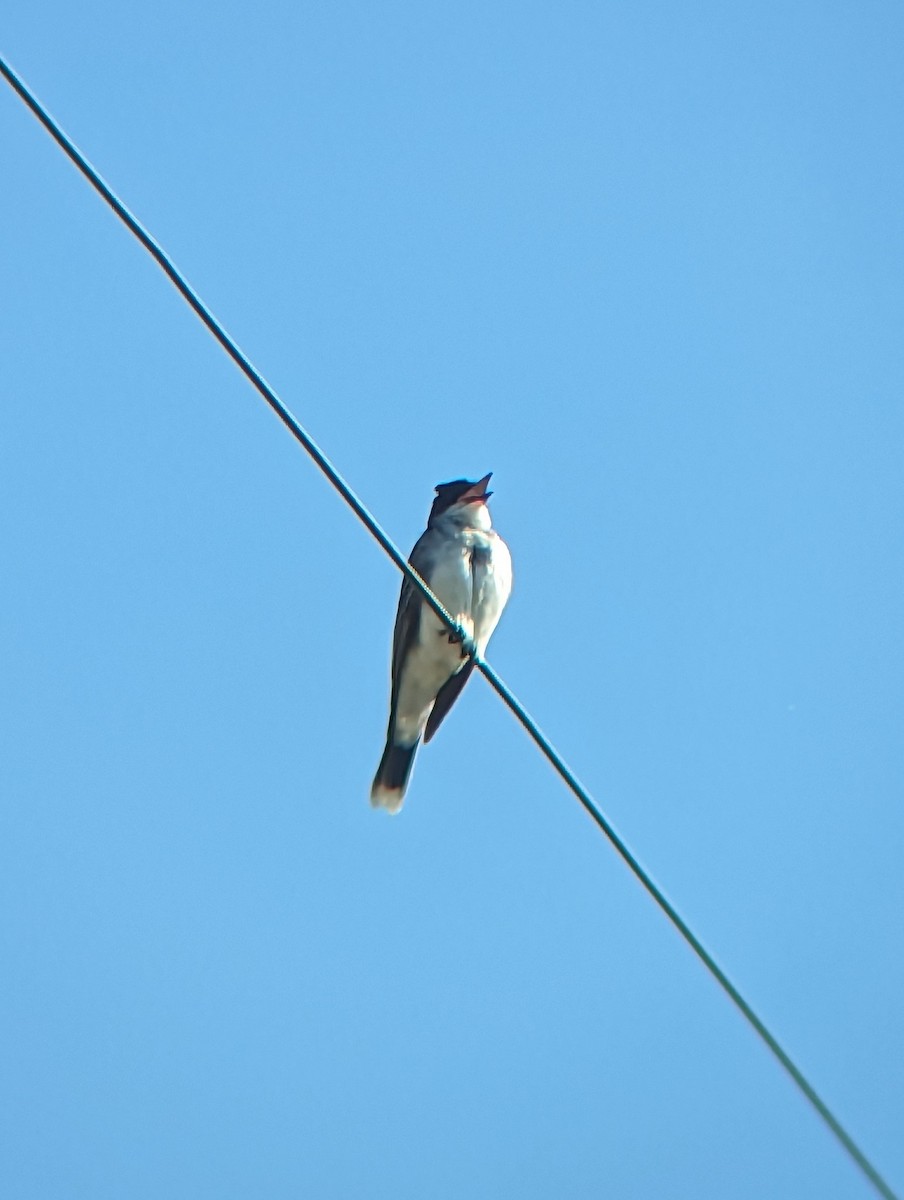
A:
[(392, 775)]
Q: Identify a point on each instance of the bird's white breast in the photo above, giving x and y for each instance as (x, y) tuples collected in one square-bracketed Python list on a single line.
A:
[(491, 572), (473, 579)]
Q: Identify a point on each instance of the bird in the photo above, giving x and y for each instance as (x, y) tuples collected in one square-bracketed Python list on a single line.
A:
[(467, 566)]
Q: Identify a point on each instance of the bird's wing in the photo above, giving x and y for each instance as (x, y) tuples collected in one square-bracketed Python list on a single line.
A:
[(408, 616), (446, 697), (405, 635)]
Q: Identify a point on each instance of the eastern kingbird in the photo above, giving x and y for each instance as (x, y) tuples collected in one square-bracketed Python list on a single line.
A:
[(469, 569)]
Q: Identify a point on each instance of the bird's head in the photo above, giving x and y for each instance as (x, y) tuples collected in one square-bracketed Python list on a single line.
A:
[(461, 496)]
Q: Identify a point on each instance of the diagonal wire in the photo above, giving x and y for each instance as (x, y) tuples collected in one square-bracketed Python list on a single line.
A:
[(507, 696)]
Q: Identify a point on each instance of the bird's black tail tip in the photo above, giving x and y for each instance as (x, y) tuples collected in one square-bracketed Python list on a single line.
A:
[(392, 776)]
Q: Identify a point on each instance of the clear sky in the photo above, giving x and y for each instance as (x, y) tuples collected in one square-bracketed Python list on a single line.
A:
[(644, 262)]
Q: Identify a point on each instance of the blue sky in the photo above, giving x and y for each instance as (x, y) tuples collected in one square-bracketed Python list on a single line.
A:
[(644, 262)]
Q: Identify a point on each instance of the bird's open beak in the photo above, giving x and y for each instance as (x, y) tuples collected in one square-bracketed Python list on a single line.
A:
[(477, 494)]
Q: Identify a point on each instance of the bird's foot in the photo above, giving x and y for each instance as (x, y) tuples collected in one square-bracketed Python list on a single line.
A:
[(467, 644)]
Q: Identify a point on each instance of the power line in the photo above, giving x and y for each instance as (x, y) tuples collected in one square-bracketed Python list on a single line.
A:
[(508, 698)]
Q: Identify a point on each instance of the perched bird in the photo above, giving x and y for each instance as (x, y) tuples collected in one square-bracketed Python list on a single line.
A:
[(466, 564)]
